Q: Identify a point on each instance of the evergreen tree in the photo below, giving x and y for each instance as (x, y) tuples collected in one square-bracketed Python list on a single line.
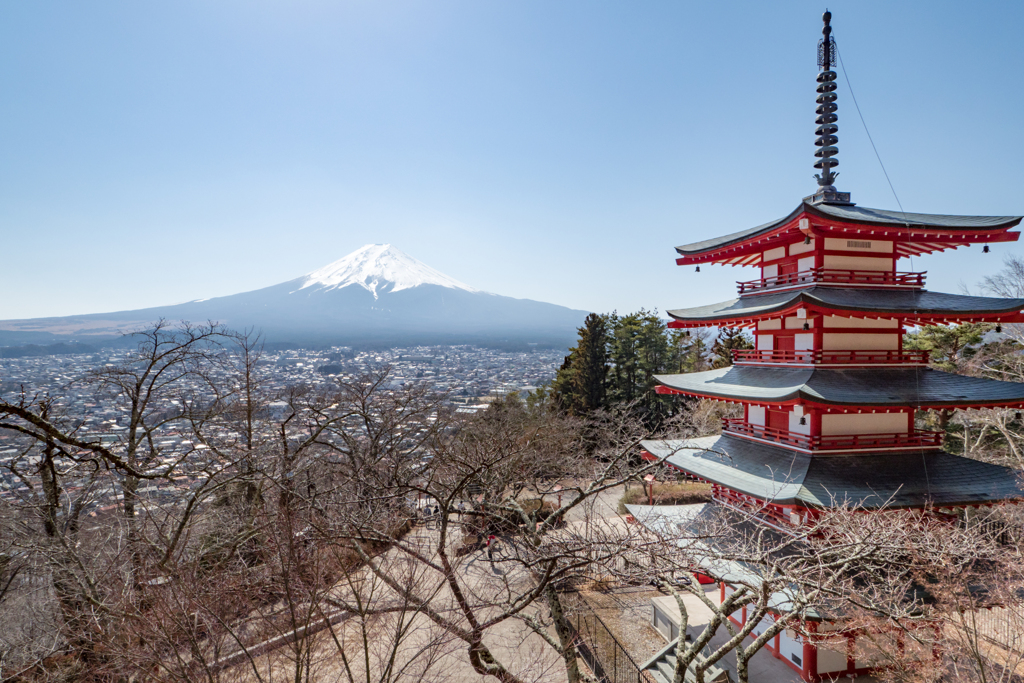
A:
[(639, 349), (591, 363), (579, 386), (729, 338), (949, 346), (689, 349)]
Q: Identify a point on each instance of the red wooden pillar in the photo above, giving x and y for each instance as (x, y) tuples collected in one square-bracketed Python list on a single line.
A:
[(851, 655), (810, 659)]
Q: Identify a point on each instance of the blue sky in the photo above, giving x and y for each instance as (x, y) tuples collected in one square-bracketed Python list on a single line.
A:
[(152, 153)]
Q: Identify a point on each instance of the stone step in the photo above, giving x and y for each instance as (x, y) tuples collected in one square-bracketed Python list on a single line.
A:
[(658, 678)]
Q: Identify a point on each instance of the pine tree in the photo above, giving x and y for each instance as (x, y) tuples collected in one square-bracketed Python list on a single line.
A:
[(950, 346), (591, 363), (689, 349), (729, 339), (580, 384)]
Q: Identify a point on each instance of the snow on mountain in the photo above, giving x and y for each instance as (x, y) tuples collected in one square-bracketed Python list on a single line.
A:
[(374, 267)]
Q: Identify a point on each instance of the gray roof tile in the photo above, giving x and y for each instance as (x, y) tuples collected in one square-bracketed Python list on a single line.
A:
[(872, 480), (893, 219), (860, 300), (911, 387)]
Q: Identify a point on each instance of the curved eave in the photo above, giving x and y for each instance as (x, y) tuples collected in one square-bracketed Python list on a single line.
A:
[(873, 481), (861, 388), (918, 234), (914, 309)]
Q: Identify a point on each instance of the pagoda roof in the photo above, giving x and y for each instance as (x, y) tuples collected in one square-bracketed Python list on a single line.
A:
[(899, 479), (854, 387), (909, 304), (929, 232)]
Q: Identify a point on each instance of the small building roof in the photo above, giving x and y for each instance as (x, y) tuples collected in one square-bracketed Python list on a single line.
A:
[(932, 230), (689, 526), (910, 304), (876, 386), (898, 479)]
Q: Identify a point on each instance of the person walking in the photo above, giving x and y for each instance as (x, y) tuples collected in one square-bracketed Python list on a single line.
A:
[(491, 541)]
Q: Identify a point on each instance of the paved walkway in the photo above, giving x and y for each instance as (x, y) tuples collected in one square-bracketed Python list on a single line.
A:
[(413, 648)]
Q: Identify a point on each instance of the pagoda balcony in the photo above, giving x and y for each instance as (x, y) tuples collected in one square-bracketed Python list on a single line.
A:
[(826, 358), (829, 276), (844, 442)]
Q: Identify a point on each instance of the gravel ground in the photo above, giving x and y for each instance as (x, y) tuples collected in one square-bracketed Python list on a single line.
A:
[(627, 614)]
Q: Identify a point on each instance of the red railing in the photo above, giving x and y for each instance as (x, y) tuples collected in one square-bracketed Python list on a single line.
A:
[(819, 357), (830, 276), (775, 514), (916, 439)]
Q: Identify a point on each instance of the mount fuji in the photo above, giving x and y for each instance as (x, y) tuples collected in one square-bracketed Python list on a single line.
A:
[(377, 295)]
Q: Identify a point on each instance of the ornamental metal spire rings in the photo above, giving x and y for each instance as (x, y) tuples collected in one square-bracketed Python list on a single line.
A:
[(826, 110)]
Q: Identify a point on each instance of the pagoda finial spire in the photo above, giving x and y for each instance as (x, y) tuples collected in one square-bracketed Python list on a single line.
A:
[(826, 110)]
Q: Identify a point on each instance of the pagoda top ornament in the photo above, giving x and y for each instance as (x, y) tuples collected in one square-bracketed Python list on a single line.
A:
[(826, 121)]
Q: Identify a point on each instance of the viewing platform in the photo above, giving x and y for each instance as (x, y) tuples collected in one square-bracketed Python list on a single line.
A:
[(828, 276), (845, 442), (827, 358)]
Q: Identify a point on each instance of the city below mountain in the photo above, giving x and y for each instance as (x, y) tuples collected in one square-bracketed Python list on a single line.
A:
[(377, 295)]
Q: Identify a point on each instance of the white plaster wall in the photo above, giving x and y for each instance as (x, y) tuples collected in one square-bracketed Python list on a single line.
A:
[(830, 661), (841, 244), (795, 323), (837, 321), (773, 254), (796, 427), (857, 263), (791, 646), (775, 324), (765, 342), (800, 248), (770, 271), (803, 342), (763, 625), (806, 263), (859, 342), (865, 423), (755, 415)]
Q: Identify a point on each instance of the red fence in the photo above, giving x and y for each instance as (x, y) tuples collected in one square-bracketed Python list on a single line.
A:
[(834, 442), (869, 278), (820, 357)]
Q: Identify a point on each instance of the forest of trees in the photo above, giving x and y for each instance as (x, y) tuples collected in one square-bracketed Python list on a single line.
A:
[(616, 358)]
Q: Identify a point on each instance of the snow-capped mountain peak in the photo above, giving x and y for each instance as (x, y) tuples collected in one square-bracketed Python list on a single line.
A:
[(375, 266)]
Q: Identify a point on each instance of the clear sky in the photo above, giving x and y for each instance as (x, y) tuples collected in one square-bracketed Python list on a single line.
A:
[(157, 152)]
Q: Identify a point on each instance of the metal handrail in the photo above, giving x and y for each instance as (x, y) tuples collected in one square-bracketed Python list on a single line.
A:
[(869, 278), (915, 438)]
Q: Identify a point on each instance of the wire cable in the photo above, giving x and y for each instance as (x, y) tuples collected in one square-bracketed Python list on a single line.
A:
[(917, 371)]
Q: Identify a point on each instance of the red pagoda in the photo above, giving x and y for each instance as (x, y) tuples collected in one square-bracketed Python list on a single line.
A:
[(829, 394)]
